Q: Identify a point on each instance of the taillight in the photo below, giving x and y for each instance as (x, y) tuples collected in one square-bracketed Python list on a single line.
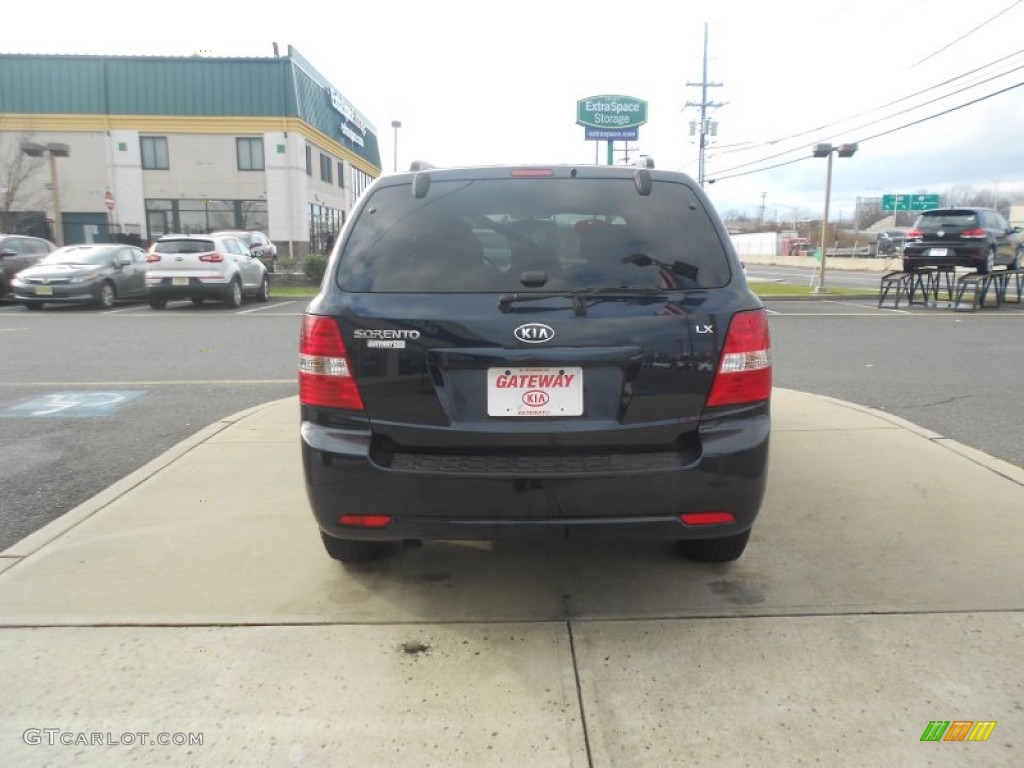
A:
[(212, 256), (915, 234), (151, 257), (974, 234), (745, 372), (324, 375)]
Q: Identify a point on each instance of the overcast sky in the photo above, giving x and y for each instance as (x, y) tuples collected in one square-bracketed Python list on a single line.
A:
[(497, 82)]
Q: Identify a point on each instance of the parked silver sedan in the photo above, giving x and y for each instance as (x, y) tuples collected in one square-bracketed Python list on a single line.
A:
[(98, 274)]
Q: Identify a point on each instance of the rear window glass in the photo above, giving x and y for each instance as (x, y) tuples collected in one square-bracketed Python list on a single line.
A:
[(939, 219), (532, 235), (184, 246)]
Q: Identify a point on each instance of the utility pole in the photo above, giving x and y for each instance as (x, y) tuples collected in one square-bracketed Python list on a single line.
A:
[(706, 126)]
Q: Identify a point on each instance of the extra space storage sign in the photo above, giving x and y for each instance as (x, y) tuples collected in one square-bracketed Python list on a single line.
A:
[(611, 117)]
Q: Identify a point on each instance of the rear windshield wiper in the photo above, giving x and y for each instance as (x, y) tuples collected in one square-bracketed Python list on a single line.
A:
[(579, 298)]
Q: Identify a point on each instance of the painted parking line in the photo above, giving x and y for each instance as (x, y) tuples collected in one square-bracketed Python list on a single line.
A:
[(138, 308), (264, 308)]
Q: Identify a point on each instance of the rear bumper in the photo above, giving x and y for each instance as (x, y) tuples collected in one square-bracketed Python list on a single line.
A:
[(729, 475), (165, 289), (919, 256)]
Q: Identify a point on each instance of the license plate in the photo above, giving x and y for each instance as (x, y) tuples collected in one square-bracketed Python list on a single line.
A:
[(937, 252), (179, 281), (533, 392), (44, 290)]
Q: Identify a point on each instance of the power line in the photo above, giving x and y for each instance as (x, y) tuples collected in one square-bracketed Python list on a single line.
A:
[(966, 34), (882, 119), (874, 136), (826, 126)]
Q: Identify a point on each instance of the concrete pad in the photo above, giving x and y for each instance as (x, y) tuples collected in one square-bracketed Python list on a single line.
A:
[(859, 517), (304, 696), (829, 691)]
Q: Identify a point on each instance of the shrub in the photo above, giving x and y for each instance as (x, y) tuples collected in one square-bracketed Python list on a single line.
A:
[(314, 266)]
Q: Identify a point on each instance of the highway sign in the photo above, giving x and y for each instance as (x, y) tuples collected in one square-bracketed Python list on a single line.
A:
[(919, 202)]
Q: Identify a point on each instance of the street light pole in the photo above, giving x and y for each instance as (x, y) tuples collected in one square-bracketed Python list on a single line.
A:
[(396, 124), (54, 150), (826, 150)]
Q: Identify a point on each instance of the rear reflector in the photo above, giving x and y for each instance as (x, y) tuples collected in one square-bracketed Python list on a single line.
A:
[(324, 376), (365, 521), (745, 372), (707, 518)]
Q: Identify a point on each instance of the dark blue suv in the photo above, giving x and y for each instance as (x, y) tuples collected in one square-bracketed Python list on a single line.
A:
[(535, 351)]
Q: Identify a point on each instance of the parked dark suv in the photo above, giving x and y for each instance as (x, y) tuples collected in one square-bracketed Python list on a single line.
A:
[(980, 238), (535, 351)]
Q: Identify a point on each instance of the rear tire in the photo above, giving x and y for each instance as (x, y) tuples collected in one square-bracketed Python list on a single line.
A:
[(155, 303), (1015, 264), (990, 262), (721, 550), (264, 292), (234, 298), (353, 550)]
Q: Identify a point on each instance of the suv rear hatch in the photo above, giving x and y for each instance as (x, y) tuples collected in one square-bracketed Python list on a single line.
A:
[(524, 325)]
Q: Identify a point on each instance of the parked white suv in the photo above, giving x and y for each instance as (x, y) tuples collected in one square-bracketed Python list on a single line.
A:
[(200, 267)]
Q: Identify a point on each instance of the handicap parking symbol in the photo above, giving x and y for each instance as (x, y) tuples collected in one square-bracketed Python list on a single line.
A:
[(72, 404)]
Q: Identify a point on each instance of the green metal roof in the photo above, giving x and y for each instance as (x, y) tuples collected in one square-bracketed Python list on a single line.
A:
[(286, 86)]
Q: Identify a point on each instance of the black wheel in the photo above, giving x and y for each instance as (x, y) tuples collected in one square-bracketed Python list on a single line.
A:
[(273, 264), (353, 550), (907, 266), (234, 297), (156, 303), (1015, 264), (198, 300), (33, 305), (721, 550), (264, 292), (990, 262), (107, 296)]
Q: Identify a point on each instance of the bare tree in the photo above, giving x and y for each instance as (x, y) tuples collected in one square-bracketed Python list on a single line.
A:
[(16, 193)]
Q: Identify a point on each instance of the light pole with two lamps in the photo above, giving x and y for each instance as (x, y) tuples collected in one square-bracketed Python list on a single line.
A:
[(396, 124), (826, 150), (54, 150)]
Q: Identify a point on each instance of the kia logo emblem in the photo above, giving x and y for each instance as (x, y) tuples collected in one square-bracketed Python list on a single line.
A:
[(535, 333), (536, 398)]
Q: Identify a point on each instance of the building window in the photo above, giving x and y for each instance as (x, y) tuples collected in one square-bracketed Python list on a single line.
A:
[(309, 160), (250, 154), (325, 168), (154, 153), (360, 181), (341, 174), (197, 215)]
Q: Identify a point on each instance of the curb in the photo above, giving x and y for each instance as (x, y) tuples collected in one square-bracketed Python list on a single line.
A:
[(72, 518)]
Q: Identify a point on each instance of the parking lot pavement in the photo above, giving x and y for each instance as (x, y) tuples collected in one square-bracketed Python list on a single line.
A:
[(880, 592)]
